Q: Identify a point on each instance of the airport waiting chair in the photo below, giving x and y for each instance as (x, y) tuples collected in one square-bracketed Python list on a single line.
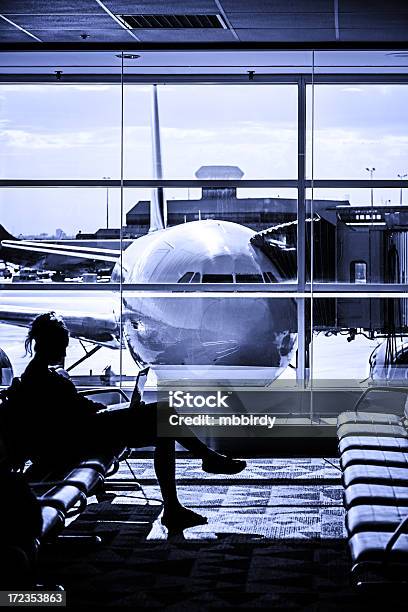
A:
[(372, 438), (62, 493), (374, 418), (373, 442), (373, 450), (375, 494), (376, 456), (380, 556), (375, 474), (371, 429), (375, 518), (359, 422)]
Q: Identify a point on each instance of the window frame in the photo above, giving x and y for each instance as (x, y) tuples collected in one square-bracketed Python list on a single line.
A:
[(301, 290)]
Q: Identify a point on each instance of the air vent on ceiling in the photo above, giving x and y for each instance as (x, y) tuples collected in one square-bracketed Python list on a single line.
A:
[(171, 22)]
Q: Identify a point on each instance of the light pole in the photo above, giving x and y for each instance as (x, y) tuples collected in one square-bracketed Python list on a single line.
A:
[(106, 178), (401, 176), (371, 171)]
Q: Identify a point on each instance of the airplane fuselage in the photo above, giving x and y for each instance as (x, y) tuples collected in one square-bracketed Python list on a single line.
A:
[(191, 329)]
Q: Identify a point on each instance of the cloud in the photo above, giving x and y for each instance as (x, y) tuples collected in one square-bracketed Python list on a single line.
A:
[(18, 139), (346, 153), (47, 88), (246, 132)]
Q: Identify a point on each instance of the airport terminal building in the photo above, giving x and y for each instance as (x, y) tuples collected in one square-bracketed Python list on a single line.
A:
[(205, 207)]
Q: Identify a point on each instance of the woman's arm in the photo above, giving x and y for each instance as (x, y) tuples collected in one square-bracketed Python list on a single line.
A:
[(76, 403)]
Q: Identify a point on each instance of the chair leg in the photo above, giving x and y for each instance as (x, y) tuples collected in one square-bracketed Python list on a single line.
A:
[(74, 539), (124, 483)]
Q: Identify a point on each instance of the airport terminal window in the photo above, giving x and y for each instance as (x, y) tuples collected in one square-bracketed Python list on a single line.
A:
[(208, 132), (360, 235), (249, 278), (225, 125), (359, 131), (186, 278), (60, 131), (218, 278), (269, 277)]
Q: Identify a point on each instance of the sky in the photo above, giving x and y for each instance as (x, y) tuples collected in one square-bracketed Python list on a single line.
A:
[(73, 131)]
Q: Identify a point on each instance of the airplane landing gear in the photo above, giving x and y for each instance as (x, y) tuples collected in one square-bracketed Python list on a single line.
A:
[(58, 277), (88, 354)]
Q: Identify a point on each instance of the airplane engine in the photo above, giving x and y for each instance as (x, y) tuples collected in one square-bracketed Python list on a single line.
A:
[(6, 369)]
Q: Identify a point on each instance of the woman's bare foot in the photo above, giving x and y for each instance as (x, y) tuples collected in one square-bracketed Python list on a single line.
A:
[(181, 518)]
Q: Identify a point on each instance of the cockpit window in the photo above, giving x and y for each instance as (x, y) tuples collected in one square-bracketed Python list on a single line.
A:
[(196, 278), (249, 278), (269, 277), (186, 277), (218, 278)]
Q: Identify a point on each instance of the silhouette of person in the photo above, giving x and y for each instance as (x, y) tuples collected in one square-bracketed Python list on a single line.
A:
[(57, 425)]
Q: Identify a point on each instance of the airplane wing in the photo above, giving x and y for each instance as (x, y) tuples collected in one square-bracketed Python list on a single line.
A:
[(57, 256), (47, 248), (92, 319), (88, 315)]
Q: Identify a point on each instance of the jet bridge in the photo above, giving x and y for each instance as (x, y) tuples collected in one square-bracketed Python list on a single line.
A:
[(351, 245)]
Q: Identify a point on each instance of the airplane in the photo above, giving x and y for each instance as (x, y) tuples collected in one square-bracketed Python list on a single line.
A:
[(202, 330), (198, 330), (66, 258)]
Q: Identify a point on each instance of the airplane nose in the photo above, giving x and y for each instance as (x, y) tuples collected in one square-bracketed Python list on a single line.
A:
[(254, 331)]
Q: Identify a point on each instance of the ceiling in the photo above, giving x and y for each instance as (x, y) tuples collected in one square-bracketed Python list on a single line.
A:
[(243, 22)]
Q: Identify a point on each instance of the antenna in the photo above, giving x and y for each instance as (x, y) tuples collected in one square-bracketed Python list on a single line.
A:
[(157, 199)]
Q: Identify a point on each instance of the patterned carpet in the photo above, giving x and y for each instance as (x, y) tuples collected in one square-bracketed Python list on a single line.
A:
[(274, 539)]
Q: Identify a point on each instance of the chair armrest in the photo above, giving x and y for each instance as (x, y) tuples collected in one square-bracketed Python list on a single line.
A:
[(400, 530), (47, 483), (379, 388), (104, 390)]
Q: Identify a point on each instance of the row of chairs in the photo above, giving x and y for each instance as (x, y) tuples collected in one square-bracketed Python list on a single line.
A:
[(61, 494), (373, 450), (64, 494)]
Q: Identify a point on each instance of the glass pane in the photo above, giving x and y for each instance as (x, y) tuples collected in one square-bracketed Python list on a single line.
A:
[(360, 131), (212, 131), (42, 227), (60, 131), (60, 235), (39, 212), (356, 242), (92, 320), (224, 234), (241, 347), (369, 338)]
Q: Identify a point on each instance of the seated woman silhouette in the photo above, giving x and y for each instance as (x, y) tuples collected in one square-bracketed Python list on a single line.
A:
[(57, 424)]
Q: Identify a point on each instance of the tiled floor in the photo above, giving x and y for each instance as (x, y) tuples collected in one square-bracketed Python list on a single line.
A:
[(275, 538)]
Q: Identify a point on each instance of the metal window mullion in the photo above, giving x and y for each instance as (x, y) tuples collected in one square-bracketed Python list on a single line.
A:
[(183, 183), (366, 78), (357, 183), (320, 290), (205, 78), (150, 183), (122, 166), (139, 78), (301, 233)]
